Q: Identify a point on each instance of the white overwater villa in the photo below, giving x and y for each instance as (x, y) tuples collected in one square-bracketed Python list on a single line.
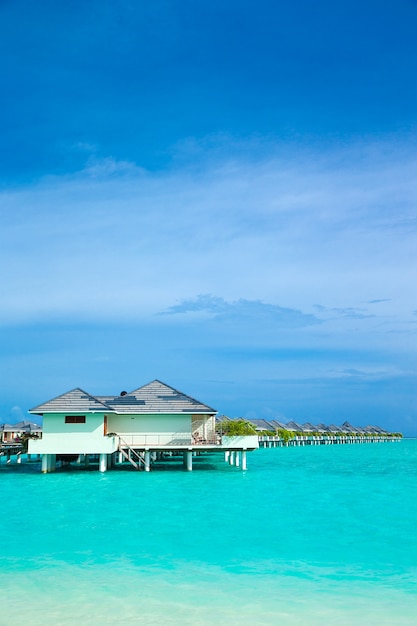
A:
[(141, 427)]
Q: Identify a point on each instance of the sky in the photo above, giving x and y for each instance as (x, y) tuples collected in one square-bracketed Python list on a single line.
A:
[(219, 195)]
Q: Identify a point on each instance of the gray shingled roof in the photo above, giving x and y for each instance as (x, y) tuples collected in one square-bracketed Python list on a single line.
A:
[(335, 429), (322, 428), (21, 426), (28, 425), (294, 426), (261, 424), (380, 430), (222, 418), (374, 429), (308, 427), (278, 425), (155, 397), (72, 401)]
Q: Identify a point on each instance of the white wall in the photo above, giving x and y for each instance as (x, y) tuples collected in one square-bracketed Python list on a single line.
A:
[(88, 438), (250, 442), (61, 438), (156, 429), (204, 426)]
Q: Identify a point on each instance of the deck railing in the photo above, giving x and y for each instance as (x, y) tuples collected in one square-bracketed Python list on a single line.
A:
[(180, 439)]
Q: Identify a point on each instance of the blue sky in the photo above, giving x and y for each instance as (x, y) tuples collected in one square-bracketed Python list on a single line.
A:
[(221, 195)]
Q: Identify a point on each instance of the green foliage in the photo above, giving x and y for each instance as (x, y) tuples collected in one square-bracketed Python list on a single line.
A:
[(24, 440), (286, 435), (234, 428)]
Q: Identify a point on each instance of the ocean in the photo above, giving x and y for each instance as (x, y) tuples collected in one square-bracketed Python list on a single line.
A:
[(306, 536)]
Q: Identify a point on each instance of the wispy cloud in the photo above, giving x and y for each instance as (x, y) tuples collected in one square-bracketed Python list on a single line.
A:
[(109, 167), (287, 228), (150, 192), (244, 310), (343, 312)]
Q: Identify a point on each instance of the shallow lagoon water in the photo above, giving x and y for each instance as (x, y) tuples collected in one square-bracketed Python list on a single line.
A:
[(312, 535)]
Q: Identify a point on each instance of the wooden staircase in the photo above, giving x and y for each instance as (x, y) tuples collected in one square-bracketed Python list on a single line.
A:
[(135, 458)]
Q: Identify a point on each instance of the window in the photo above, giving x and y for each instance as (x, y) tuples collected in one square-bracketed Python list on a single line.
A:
[(75, 419)]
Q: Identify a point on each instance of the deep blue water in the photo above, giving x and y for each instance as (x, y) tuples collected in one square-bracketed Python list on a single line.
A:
[(312, 535)]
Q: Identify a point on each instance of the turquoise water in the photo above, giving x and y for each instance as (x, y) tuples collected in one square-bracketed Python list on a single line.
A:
[(307, 536)]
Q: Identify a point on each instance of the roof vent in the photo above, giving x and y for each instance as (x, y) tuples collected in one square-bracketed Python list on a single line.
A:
[(123, 393)]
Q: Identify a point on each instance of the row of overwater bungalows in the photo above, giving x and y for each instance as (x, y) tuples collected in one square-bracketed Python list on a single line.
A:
[(273, 426), (149, 423), (273, 433)]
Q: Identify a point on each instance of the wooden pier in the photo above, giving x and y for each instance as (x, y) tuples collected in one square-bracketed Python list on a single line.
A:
[(322, 440), (8, 450), (145, 458)]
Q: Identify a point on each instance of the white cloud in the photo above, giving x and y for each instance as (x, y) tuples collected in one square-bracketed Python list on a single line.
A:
[(17, 414), (107, 168), (335, 227)]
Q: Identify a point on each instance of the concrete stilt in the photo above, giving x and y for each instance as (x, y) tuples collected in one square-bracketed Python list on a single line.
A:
[(147, 461), (45, 463), (120, 458), (86, 460), (52, 462), (244, 463), (189, 460), (102, 466), (19, 458), (232, 457), (237, 458), (227, 455)]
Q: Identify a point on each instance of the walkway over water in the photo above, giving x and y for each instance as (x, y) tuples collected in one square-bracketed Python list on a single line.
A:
[(322, 440), (149, 457), (11, 449)]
